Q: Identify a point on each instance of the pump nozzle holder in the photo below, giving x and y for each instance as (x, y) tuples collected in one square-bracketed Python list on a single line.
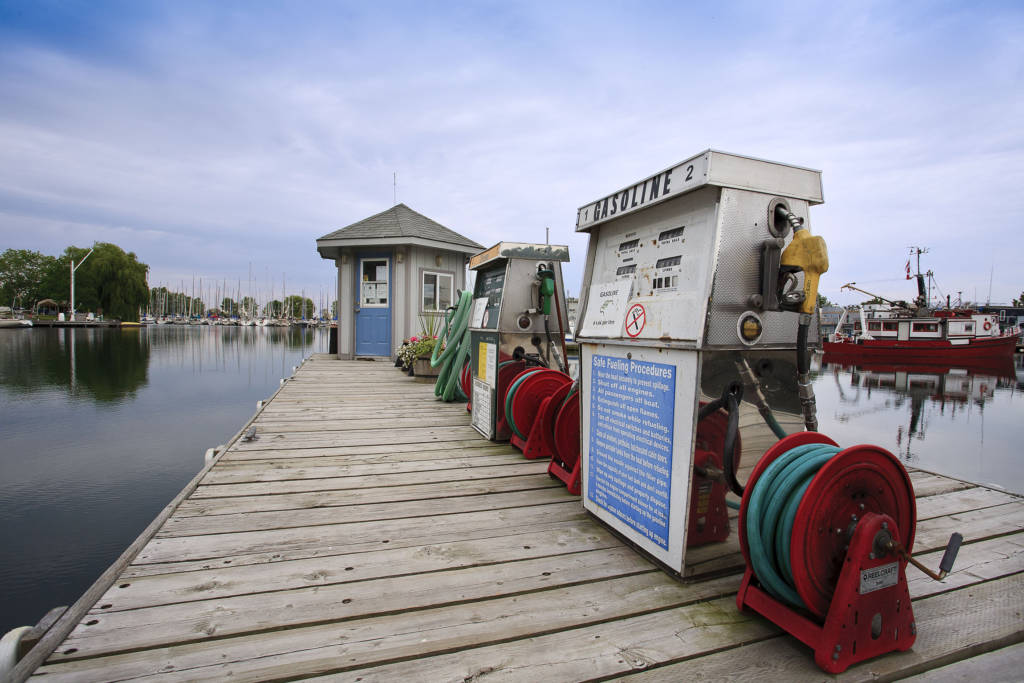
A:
[(547, 289), (809, 254)]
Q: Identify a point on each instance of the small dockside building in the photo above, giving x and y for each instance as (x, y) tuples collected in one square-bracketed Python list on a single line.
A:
[(394, 268)]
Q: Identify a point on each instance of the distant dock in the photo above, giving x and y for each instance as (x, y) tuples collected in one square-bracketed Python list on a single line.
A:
[(368, 533), (76, 323)]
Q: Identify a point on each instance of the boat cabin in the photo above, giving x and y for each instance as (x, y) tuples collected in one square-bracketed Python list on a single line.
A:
[(397, 270), (951, 325)]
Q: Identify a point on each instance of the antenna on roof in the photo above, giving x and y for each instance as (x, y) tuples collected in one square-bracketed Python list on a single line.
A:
[(394, 181)]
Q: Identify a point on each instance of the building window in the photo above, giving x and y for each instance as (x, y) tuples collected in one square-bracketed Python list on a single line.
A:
[(889, 327), (373, 290), (874, 327), (926, 327), (436, 291)]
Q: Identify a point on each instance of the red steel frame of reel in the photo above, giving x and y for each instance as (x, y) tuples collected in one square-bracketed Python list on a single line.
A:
[(708, 520), (565, 463), (540, 443)]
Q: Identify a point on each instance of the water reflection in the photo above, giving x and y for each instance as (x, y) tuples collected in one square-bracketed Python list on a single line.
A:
[(97, 363), (112, 364), (960, 421), (102, 427)]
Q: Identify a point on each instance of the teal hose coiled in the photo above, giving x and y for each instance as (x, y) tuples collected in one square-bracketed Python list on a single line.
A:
[(770, 510), (455, 340)]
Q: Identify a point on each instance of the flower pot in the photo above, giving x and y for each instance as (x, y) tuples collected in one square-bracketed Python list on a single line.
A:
[(422, 368)]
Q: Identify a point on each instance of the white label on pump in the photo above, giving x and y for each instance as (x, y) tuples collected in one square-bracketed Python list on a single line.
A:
[(476, 318), (605, 309), (878, 578), (482, 398)]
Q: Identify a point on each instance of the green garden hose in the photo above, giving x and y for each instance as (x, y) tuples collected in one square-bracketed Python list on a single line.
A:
[(455, 323), (455, 339), (770, 510)]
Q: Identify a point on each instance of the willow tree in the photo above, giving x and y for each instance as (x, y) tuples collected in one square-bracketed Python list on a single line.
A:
[(110, 280)]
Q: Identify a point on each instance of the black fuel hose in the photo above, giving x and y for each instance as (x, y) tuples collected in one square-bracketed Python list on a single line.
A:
[(730, 401), (552, 348), (803, 362), (803, 376), (729, 447)]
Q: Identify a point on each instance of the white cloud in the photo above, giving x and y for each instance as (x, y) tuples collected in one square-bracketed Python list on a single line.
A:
[(232, 138)]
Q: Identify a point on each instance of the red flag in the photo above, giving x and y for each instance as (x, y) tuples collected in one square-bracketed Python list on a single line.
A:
[(908, 269)]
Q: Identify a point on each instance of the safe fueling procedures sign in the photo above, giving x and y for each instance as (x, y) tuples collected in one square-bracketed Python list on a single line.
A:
[(631, 436)]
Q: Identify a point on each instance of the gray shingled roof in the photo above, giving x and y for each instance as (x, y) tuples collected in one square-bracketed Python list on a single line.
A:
[(401, 221)]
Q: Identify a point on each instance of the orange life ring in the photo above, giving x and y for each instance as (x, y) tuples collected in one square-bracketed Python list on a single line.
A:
[(987, 326)]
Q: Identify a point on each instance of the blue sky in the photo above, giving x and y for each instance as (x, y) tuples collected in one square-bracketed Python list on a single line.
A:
[(208, 136)]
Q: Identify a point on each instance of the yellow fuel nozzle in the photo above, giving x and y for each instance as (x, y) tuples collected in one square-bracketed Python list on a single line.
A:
[(809, 254)]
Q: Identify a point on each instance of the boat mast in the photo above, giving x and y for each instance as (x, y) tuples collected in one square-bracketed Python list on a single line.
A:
[(923, 298)]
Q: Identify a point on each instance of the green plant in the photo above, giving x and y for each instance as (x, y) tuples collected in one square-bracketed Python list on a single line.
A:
[(415, 348), (430, 324)]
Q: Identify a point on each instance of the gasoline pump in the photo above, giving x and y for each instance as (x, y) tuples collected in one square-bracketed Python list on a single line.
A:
[(517, 343), (698, 304)]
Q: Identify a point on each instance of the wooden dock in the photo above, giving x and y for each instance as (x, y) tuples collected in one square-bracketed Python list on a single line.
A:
[(368, 533)]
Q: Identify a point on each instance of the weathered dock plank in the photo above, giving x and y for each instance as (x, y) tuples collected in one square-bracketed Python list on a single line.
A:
[(368, 533), (365, 496)]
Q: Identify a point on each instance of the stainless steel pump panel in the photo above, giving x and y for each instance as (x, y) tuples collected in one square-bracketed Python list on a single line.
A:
[(506, 321), (672, 311)]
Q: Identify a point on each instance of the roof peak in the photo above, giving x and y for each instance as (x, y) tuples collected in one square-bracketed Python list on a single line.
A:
[(401, 221)]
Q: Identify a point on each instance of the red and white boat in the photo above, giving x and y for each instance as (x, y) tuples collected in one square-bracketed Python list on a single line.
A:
[(889, 333)]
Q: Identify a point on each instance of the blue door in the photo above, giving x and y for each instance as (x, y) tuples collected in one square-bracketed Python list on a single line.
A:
[(373, 310)]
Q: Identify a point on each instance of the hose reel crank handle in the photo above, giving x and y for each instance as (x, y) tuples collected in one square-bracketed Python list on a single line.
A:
[(945, 564)]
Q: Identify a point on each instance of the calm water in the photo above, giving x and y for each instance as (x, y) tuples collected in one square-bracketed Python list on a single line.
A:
[(102, 428), (966, 423)]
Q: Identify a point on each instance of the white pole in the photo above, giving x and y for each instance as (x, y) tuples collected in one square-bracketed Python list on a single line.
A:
[(73, 269)]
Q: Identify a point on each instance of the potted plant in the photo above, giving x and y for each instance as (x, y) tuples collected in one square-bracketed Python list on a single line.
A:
[(415, 353)]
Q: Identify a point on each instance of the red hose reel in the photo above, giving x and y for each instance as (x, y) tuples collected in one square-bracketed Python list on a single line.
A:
[(565, 461), (508, 370), (527, 402), (851, 537), (541, 418)]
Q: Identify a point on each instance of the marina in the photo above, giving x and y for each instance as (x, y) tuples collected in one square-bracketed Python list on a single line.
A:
[(663, 499), (361, 342), (369, 533)]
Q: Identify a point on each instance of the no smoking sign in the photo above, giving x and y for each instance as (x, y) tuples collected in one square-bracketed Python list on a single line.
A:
[(636, 318)]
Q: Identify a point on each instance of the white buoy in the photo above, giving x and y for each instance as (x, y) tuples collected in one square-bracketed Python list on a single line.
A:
[(9, 646)]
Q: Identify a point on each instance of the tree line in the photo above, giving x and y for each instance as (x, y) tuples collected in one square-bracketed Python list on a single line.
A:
[(111, 282)]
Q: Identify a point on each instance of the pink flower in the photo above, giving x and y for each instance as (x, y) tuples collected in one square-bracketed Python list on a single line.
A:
[(414, 339)]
